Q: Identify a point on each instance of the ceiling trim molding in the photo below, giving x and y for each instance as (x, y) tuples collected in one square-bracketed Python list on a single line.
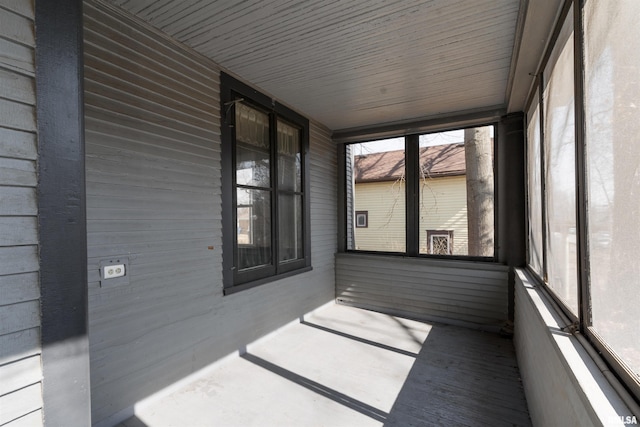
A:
[(430, 124), (517, 44)]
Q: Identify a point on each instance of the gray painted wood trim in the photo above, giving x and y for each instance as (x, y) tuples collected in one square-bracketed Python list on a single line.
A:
[(61, 214), (511, 236)]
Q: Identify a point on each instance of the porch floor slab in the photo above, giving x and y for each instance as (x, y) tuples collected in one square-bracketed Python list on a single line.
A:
[(343, 366)]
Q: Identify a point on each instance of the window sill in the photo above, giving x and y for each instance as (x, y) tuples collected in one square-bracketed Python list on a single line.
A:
[(248, 285), (446, 258), (548, 353)]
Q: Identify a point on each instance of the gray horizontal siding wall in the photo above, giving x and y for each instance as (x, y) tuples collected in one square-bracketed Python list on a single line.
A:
[(153, 196), (20, 350), (460, 292)]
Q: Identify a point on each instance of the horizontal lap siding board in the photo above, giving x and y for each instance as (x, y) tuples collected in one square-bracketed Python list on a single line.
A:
[(152, 125), (20, 348), (450, 291), (152, 160)]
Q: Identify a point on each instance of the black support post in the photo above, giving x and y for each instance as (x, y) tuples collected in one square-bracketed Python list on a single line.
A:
[(61, 213), (511, 202)]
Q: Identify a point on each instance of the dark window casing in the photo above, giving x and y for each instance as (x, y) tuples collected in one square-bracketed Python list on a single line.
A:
[(237, 275)]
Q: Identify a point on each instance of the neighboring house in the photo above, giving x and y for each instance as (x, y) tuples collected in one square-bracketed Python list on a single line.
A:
[(380, 194)]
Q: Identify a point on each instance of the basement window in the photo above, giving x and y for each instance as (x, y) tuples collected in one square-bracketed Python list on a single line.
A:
[(265, 188), (440, 242)]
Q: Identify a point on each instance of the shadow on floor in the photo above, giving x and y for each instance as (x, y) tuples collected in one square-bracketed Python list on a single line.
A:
[(350, 367), (132, 422), (462, 377), (316, 387)]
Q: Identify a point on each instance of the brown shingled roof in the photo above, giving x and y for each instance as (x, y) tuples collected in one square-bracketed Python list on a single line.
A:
[(437, 160)]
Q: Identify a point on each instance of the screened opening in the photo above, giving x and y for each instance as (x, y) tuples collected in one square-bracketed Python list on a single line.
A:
[(378, 195), (583, 175), (612, 123), (560, 175), (421, 190)]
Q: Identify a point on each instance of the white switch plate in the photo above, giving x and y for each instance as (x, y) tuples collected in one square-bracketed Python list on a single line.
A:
[(112, 271)]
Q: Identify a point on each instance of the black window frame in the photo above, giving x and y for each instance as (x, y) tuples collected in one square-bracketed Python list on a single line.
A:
[(412, 191), (233, 91)]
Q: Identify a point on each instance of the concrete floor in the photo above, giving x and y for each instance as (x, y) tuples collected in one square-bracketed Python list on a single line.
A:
[(342, 366)]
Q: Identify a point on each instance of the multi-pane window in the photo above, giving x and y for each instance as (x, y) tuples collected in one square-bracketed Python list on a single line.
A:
[(420, 190), (266, 186), (584, 178), (253, 187)]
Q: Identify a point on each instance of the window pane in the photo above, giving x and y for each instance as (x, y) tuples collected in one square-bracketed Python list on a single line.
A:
[(252, 166), (254, 228), (289, 162), (290, 227), (534, 189), (375, 175), (454, 198), (612, 67), (252, 147), (559, 151)]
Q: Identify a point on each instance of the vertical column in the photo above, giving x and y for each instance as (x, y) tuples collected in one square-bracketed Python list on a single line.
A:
[(61, 213), (510, 197)]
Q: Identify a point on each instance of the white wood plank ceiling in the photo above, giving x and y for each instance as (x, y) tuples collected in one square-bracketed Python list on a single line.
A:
[(359, 63)]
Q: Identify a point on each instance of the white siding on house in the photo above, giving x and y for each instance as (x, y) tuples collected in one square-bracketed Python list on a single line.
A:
[(20, 364), (152, 118), (443, 206), (384, 203)]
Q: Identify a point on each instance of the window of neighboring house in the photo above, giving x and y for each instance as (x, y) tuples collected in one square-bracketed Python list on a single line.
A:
[(414, 185), (362, 219), (440, 242), (265, 188)]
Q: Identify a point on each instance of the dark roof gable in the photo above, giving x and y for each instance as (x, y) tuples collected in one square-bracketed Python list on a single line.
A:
[(437, 161)]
